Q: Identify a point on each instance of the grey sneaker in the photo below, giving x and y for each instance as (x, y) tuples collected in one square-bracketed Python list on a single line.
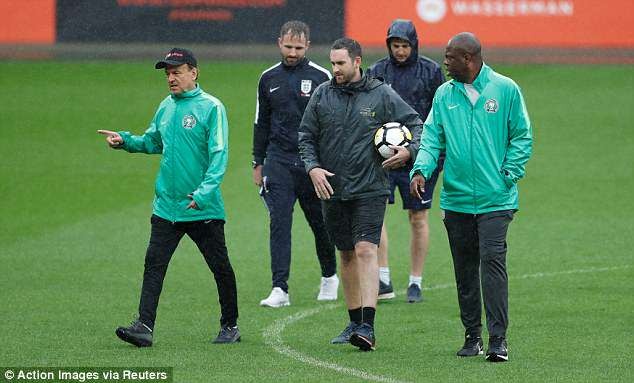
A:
[(497, 351), (472, 346), (414, 294), (137, 334), (228, 334), (386, 291), (363, 337), (344, 337)]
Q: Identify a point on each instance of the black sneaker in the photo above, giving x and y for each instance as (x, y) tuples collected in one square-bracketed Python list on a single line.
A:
[(228, 334), (472, 346), (385, 290), (363, 337), (137, 334), (414, 294), (497, 351), (344, 337)]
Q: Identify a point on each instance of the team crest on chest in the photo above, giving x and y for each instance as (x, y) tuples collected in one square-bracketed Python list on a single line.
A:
[(491, 106), (189, 121), (306, 86)]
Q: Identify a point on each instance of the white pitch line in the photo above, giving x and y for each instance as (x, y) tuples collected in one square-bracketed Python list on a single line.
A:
[(273, 338), (273, 333)]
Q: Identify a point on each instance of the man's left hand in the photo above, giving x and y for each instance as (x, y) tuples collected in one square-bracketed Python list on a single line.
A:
[(399, 159), (192, 204)]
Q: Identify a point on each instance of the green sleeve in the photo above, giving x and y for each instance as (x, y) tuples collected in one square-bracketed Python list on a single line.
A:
[(218, 151), (431, 145), (520, 144), (150, 142)]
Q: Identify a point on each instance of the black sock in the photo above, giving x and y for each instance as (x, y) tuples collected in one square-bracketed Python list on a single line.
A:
[(355, 315), (368, 315)]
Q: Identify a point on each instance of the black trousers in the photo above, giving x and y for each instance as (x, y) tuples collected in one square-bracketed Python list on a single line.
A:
[(283, 185), (478, 248), (209, 236)]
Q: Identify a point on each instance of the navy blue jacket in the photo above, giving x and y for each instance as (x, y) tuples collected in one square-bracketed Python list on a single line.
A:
[(416, 79), (283, 93)]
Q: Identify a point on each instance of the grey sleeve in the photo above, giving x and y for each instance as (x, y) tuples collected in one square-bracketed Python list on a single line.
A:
[(309, 134)]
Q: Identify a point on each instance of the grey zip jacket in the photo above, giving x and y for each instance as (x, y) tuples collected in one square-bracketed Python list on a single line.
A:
[(337, 134)]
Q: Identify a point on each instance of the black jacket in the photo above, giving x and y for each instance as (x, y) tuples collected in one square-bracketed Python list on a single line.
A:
[(283, 93), (337, 131)]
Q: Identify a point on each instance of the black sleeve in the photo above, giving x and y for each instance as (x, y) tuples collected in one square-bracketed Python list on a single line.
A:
[(262, 124), (309, 133)]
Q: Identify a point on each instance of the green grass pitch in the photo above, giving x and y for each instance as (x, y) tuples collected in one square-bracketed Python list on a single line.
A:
[(75, 224)]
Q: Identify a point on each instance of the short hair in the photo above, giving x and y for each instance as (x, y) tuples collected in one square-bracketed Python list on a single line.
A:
[(295, 28), (352, 46)]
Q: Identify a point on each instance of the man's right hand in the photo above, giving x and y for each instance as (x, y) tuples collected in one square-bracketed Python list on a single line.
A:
[(257, 175), (417, 186), (112, 138), (323, 189)]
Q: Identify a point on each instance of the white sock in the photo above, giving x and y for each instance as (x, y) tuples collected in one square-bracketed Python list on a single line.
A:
[(416, 280), (384, 274)]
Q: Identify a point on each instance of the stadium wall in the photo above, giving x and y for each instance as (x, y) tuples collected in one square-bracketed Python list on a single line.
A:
[(498, 23)]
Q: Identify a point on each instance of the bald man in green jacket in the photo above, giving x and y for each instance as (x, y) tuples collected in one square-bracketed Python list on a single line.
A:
[(479, 118)]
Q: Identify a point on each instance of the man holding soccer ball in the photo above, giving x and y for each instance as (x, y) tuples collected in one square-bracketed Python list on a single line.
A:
[(415, 78), (350, 177), (480, 120)]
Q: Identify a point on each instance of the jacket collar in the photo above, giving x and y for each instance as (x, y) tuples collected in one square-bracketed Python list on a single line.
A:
[(480, 81), (189, 94), (301, 63), (351, 87)]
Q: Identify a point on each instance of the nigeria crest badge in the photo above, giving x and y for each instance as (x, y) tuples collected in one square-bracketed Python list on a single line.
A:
[(189, 121), (306, 86), (491, 105)]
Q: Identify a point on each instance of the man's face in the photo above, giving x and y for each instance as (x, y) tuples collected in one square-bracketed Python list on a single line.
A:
[(292, 48), (344, 68), (400, 49), (457, 64), (180, 78)]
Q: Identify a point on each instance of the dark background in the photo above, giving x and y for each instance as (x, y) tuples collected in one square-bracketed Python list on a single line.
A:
[(107, 21)]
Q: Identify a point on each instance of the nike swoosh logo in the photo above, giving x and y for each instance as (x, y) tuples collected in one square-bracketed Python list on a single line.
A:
[(452, 107), (271, 90), (425, 201)]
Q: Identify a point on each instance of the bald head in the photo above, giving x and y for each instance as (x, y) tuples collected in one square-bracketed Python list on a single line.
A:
[(466, 42), (463, 57)]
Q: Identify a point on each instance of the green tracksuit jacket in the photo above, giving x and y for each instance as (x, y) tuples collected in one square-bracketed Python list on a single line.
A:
[(487, 144), (190, 130)]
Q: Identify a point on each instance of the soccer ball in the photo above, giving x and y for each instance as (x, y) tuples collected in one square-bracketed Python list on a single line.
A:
[(391, 133)]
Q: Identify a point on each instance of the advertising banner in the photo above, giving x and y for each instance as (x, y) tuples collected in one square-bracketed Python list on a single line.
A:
[(202, 21), (502, 23), (27, 22)]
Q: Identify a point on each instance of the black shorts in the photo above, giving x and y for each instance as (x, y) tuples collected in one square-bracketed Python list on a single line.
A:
[(349, 222), (400, 179)]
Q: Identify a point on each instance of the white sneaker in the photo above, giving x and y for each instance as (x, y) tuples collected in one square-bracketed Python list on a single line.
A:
[(328, 288), (277, 298)]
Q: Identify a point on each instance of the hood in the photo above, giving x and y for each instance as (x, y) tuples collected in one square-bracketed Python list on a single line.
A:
[(403, 29)]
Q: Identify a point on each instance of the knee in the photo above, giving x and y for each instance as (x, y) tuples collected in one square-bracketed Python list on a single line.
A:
[(493, 251), (366, 251), (418, 220)]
